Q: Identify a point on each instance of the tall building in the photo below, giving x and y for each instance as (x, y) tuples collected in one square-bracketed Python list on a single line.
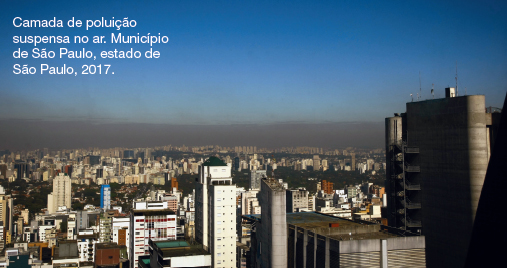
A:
[(485, 249), (6, 207), (437, 156), (128, 154), (271, 233), (149, 220), (353, 162), (174, 183), (316, 162), (105, 224), (327, 187), (105, 197), (255, 179), (297, 200), (61, 195), (91, 160), (215, 212), (22, 170), (236, 163)]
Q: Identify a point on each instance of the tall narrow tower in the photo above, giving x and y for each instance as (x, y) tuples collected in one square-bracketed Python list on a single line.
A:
[(215, 212), (271, 232), (61, 195)]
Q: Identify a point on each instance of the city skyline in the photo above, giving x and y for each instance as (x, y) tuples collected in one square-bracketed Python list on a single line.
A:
[(260, 63)]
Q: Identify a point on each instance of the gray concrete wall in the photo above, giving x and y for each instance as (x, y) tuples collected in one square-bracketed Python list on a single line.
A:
[(451, 136), (273, 227)]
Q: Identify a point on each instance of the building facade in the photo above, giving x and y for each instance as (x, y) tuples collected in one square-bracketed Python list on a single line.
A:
[(105, 197), (437, 156), (215, 212), (149, 220), (61, 195)]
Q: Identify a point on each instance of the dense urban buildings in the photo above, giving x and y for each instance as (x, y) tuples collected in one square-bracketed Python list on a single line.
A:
[(108, 209), (232, 215)]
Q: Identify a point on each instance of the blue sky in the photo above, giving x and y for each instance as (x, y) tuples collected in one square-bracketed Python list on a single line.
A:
[(230, 62)]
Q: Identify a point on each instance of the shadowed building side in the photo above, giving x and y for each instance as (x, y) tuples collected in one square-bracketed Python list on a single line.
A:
[(436, 165), (487, 248)]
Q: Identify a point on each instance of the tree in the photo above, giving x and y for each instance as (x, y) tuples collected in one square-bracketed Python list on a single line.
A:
[(63, 226)]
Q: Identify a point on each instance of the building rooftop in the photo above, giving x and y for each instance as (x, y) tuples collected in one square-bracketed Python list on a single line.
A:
[(275, 185), (214, 162), (107, 246), (335, 227), (178, 248), (171, 244)]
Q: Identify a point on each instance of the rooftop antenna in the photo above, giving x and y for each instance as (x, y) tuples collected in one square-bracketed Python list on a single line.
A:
[(432, 94), (420, 90), (456, 78), (465, 91), (412, 97), (417, 96)]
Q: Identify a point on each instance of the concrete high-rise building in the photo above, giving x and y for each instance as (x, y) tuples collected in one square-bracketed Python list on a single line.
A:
[(327, 187), (296, 200), (215, 212), (316, 162), (61, 195), (437, 156), (105, 197), (105, 223), (353, 162), (128, 154), (22, 170), (6, 207), (271, 233), (149, 220), (255, 179)]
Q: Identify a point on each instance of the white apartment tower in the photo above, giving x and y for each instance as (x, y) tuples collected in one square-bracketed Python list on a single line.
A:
[(215, 212), (61, 195)]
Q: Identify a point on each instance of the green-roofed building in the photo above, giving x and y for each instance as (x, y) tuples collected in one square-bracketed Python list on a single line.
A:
[(180, 253), (214, 161)]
